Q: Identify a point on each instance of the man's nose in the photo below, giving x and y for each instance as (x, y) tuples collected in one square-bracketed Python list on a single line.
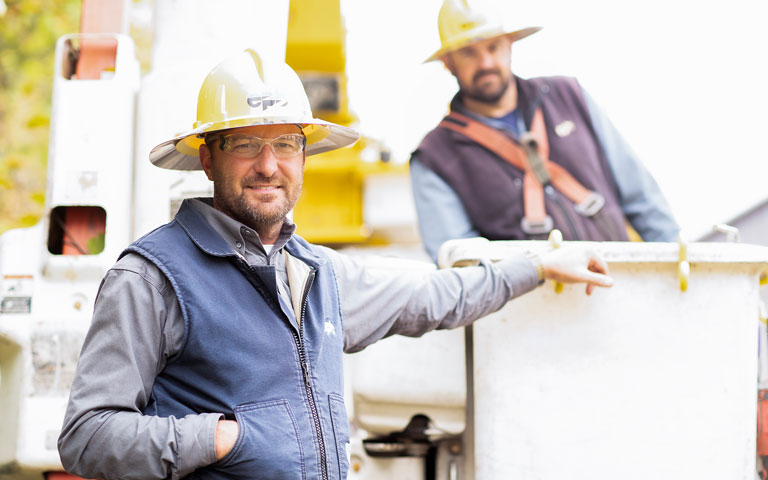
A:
[(266, 161), (487, 60)]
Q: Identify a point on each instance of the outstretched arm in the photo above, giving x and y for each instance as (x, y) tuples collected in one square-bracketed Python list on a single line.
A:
[(387, 296)]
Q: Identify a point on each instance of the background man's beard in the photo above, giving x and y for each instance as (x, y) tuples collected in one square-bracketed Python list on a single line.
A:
[(490, 98)]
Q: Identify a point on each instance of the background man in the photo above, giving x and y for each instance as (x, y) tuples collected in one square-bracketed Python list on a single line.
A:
[(216, 341), (583, 179)]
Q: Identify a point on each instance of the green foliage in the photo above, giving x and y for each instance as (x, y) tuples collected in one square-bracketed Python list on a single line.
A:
[(95, 244), (28, 33)]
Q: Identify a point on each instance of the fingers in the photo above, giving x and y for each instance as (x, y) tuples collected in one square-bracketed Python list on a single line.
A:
[(600, 276), (597, 279), (606, 282), (576, 265), (597, 264), (226, 436)]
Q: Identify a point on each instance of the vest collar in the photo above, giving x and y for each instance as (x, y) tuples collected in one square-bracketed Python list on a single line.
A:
[(201, 232), (209, 241), (529, 97)]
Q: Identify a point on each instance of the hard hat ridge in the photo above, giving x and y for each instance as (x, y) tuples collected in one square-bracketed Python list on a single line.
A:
[(250, 89)]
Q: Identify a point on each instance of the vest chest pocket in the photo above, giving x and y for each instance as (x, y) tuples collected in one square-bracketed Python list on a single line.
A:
[(267, 445)]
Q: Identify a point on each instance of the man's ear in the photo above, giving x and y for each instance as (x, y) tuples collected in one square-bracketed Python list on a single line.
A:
[(205, 160)]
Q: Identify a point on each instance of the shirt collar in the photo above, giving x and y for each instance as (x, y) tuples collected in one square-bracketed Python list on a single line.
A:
[(242, 238)]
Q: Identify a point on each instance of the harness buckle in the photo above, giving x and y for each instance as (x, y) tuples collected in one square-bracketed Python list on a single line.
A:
[(531, 147), (539, 227), (591, 205)]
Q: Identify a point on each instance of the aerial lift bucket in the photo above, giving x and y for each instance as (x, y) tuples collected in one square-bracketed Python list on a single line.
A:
[(652, 378), (655, 377)]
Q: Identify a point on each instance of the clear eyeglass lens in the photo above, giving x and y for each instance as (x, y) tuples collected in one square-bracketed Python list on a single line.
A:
[(250, 146)]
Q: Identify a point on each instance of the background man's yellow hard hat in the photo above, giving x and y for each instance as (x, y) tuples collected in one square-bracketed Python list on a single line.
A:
[(246, 90), (462, 22)]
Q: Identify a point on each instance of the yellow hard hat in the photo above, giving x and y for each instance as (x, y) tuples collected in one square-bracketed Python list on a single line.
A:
[(462, 22), (248, 89)]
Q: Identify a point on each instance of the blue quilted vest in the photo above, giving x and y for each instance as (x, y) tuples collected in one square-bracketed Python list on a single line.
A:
[(245, 356)]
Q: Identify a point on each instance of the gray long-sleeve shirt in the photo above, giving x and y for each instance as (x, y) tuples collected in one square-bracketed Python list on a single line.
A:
[(137, 327)]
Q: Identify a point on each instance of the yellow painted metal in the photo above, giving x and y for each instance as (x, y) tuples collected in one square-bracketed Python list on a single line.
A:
[(331, 207), (632, 234), (683, 267), (556, 239), (316, 48)]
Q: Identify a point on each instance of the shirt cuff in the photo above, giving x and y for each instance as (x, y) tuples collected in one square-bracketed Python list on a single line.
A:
[(196, 442), (520, 274), (535, 259)]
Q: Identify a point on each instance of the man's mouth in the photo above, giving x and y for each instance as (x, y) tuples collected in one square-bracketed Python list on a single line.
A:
[(484, 74), (263, 188)]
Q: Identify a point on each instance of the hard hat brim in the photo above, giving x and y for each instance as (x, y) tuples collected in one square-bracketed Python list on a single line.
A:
[(181, 152), (513, 36)]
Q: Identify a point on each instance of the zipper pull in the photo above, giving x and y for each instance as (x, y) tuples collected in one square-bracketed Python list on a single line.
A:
[(305, 369)]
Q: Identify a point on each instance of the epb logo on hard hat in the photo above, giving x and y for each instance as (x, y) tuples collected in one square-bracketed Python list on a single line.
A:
[(266, 102)]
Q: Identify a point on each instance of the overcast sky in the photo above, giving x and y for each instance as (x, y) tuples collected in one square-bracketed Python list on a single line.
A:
[(685, 81)]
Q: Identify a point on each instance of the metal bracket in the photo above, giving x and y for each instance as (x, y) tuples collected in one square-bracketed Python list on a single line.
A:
[(541, 227), (531, 147), (731, 233), (591, 205)]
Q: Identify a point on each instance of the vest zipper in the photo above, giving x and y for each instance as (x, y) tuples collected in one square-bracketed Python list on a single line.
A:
[(603, 225), (299, 338), (551, 193)]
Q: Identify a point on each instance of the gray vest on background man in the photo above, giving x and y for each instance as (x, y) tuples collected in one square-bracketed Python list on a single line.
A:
[(491, 189)]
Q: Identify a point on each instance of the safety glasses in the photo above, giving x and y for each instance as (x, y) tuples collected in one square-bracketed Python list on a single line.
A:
[(249, 146)]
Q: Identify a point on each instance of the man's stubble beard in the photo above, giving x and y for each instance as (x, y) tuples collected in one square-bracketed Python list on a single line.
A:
[(238, 207)]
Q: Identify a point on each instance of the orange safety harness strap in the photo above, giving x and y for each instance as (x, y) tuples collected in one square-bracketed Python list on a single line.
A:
[(532, 157)]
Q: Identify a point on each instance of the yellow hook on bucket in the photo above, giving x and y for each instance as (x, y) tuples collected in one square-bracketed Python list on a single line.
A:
[(683, 267), (556, 239)]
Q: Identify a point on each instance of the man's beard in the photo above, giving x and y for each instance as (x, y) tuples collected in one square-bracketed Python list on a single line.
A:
[(483, 96), (255, 215)]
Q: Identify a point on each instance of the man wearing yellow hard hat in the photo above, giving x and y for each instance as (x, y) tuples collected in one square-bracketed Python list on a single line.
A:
[(215, 349), (518, 157)]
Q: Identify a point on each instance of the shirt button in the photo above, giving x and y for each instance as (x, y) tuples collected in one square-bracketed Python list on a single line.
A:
[(239, 245)]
